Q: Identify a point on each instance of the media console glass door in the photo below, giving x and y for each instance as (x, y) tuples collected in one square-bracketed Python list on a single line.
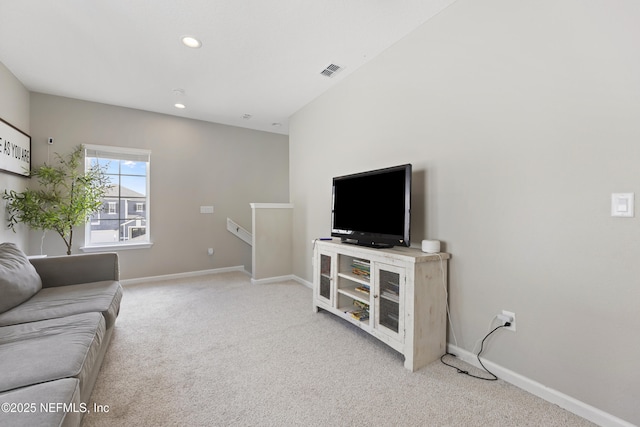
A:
[(389, 300), (326, 278)]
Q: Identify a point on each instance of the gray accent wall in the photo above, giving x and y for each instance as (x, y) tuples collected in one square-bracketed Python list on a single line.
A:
[(14, 109), (520, 120), (193, 164)]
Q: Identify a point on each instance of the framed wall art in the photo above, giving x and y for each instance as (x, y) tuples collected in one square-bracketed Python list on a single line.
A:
[(15, 150)]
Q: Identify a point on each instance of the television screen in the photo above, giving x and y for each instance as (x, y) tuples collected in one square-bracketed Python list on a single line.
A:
[(373, 208)]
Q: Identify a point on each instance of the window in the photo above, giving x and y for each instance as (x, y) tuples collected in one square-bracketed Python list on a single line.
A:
[(124, 218)]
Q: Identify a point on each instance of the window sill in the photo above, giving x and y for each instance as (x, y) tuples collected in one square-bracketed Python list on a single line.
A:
[(111, 248)]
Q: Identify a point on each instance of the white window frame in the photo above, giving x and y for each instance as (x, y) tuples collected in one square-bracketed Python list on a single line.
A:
[(121, 153), (95, 220)]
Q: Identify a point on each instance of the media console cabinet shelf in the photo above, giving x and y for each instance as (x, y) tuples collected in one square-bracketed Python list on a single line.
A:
[(397, 295)]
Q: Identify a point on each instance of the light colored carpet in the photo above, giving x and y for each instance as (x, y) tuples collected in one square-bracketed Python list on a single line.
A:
[(219, 351)]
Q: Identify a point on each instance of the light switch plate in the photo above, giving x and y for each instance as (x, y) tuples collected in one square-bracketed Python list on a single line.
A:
[(622, 205), (206, 209)]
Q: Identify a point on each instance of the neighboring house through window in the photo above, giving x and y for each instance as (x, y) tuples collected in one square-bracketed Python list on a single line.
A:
[(124, 218)]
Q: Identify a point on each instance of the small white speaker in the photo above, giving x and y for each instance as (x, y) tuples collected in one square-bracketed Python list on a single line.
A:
[(431, 246)]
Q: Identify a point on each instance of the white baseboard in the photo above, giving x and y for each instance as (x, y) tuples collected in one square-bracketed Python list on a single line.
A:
[(303, 282), (127, 282), (569, 403), (282, 279), (271, 279), (239, 268)]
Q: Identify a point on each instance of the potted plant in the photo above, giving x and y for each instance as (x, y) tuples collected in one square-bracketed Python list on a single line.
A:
[(67, 195)]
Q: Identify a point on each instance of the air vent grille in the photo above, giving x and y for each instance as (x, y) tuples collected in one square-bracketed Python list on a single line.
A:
[(330, 70)]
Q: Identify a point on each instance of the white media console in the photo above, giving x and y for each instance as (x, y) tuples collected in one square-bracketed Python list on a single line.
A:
[(397, 295)]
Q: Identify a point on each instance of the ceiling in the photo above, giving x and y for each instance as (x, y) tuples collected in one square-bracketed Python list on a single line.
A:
[(260, 60)]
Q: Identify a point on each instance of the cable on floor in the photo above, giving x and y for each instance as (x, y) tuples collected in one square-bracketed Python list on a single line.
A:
[(462, 371)]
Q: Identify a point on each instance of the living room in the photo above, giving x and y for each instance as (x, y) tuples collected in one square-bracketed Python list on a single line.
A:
[(520, 121)]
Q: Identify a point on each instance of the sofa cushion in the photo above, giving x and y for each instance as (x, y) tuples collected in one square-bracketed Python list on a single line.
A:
[(48, 350), (51, 303), (18, 278), (52, 395)]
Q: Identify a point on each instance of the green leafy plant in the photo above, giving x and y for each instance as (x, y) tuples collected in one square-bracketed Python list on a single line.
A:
[(66, 196)]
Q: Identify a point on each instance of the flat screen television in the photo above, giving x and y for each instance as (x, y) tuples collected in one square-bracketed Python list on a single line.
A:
[(373, 208)]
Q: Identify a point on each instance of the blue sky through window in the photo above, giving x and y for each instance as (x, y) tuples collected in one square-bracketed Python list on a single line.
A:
[(133, 175)]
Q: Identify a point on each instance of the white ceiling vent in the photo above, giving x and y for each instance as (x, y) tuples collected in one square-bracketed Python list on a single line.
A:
[(330, 70)]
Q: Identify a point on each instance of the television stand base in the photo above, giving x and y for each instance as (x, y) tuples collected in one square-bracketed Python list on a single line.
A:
[(406, 302)]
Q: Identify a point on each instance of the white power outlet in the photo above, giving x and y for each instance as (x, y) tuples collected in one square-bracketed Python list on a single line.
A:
[(210, 251), (509, 314)]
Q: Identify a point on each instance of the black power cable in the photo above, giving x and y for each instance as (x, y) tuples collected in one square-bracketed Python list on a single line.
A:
[(461, 371)]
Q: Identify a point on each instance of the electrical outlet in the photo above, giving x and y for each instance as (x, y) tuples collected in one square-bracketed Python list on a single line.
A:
[(210, 251), (511, 315)]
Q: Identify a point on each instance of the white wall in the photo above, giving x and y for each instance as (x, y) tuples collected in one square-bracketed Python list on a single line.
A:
[(14, 109), (520, 120), (193, 163)]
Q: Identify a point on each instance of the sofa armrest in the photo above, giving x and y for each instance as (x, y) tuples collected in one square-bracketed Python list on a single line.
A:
[(76, 269)]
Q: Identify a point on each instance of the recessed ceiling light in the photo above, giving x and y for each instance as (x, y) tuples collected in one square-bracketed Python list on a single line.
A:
[(191, 41), (180, 106)]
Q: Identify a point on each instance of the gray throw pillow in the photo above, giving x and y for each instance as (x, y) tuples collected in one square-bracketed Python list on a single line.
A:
[(19, 280)]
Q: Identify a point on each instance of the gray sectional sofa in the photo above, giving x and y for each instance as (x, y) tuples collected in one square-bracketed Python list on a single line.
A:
[(57, 315)]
